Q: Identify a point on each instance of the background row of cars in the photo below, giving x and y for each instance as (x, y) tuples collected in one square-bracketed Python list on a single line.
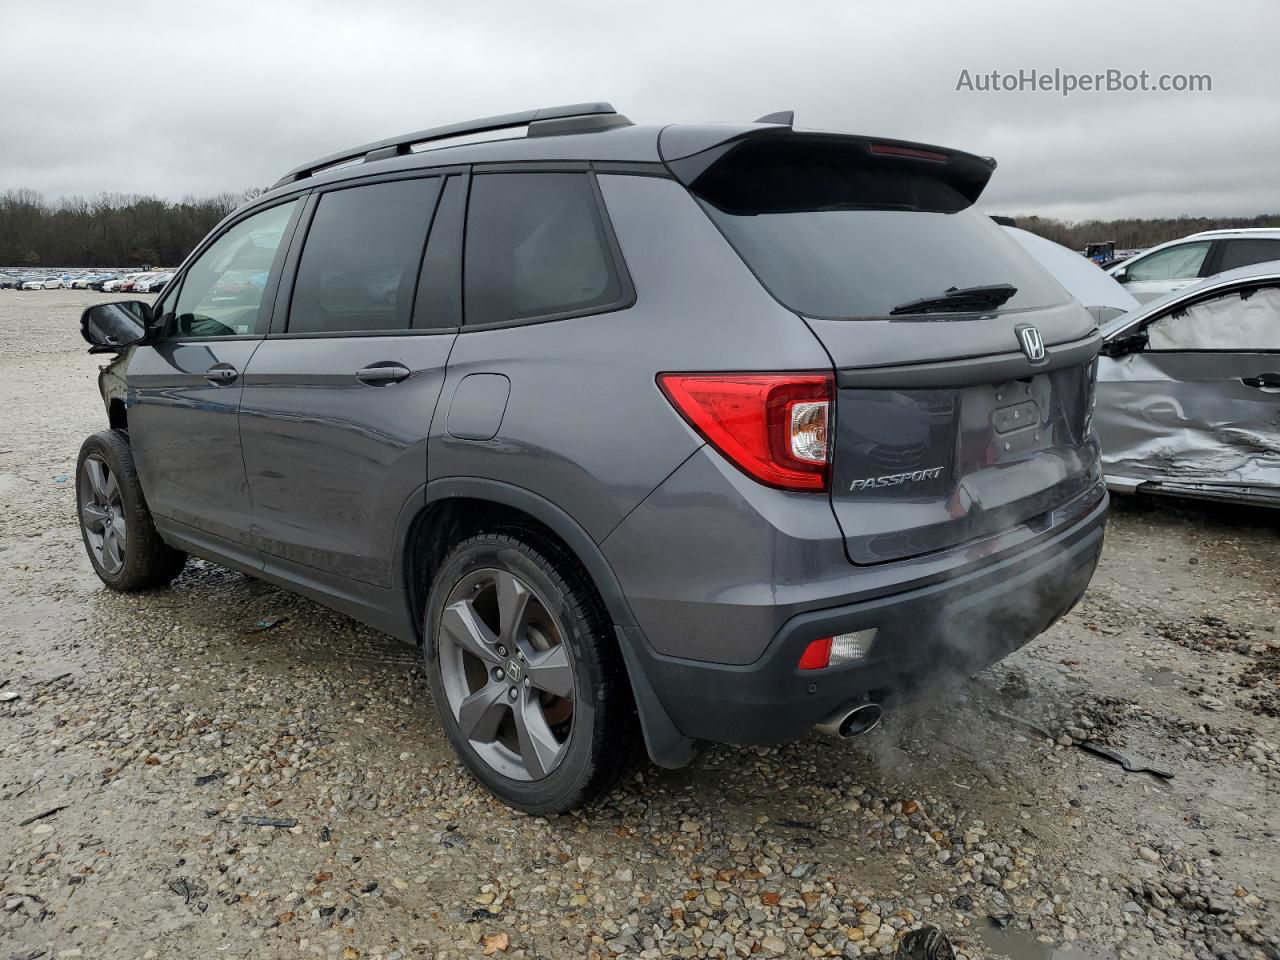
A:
[(151, 281)]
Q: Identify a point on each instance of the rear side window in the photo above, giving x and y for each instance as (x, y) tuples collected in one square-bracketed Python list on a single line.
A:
[(835, 232), (536, 247), (359, 267), (1244, 253)]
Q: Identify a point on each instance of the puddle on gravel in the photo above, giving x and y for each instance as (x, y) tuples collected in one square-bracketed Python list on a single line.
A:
[(1160, 677), (1015, 944)]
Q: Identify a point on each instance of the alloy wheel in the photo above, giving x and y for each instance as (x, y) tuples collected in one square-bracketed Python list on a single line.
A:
[(507, 673), (102, 514)]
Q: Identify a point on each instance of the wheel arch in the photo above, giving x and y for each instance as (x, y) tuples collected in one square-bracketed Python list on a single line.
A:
[(444, 511), (440, 511)]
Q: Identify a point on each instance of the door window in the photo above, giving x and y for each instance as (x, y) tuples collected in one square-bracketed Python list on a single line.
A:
[(536, 247), (1241, 321), (1176, 263), (1242, 253), (222, 291), (359, 268)]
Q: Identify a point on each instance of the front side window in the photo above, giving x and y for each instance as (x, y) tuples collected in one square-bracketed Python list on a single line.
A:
[(536, 247), (1242, 321), (359, 267), (1244, 253), (1176, 263), (222, 292)]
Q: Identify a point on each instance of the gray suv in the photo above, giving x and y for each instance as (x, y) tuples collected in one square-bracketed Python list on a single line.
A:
[(646, 435)]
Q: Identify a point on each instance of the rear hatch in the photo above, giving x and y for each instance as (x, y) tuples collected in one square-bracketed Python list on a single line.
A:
[(963, 370)]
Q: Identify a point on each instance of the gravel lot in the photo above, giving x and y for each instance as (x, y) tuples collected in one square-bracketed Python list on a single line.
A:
[(141, 737)]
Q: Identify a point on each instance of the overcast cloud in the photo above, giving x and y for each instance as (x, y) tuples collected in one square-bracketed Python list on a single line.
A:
[(176, 99)]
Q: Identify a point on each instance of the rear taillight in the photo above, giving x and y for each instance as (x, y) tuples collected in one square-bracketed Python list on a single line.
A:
[(775, 427)]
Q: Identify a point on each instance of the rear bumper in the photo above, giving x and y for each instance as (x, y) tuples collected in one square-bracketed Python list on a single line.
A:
[(950, 628)]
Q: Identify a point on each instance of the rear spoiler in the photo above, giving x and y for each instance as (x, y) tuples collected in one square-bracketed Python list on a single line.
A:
[(690, 151)]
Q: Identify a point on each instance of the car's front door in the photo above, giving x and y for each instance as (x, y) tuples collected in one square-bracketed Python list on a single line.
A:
[(1164, 271), (185, 384), (1196, 401), (338, 400)]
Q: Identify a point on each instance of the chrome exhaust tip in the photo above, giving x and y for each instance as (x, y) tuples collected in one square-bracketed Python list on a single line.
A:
[(851, 721)]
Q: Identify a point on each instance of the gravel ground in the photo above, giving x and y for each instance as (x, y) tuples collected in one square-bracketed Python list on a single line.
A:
[(176, 781)]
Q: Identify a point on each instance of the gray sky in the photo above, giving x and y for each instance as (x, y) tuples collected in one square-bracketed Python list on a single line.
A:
[(197, 98)]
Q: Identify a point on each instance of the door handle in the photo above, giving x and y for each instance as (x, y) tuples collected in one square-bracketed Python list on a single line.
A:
[(222, 374), (1268, 382), (381, 374)]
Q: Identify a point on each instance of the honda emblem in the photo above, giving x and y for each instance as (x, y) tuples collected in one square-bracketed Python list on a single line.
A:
[(1032, 343)]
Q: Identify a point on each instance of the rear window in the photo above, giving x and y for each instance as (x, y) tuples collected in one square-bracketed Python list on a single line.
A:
[(1244, 253), (359, 267), (834, 232)]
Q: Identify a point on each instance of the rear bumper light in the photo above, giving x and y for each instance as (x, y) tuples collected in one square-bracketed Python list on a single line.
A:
[(774, 427), (838, 650)]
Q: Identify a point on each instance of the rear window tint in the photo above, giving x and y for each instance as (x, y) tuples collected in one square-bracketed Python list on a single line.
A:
[(1244, 253), (536, 247), (834, 234), (359, 267)]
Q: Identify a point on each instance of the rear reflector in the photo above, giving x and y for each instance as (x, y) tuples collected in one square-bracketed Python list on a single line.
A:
[(816, 655), (838, 650), (771, 426)]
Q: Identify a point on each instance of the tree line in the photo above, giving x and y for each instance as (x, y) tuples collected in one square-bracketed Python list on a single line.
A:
[(122, 230), (110, 230), (1133, 233)]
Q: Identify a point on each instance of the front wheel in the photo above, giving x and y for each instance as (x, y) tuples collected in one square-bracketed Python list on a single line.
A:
[(526, 676), (126, 552)]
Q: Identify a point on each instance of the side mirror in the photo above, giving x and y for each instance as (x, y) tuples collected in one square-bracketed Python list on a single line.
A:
[(1121, 346), (1121, 275), (110, 327)]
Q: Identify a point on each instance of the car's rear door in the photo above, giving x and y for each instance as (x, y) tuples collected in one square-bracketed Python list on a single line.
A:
[(1192, 400), (339, 398), (185, 386)]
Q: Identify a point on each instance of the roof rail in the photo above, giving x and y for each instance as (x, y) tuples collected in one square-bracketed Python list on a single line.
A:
[(401, 145)]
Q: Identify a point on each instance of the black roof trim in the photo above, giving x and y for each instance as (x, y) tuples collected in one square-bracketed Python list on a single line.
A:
[(401, 145)]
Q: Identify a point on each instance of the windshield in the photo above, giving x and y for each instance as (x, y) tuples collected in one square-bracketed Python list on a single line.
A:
[(834, 236)]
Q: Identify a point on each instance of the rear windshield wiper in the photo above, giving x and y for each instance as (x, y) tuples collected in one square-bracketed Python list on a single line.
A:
[(954, 299)]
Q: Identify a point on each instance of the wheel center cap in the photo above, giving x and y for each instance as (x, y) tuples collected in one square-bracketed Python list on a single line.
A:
[(513, 671)]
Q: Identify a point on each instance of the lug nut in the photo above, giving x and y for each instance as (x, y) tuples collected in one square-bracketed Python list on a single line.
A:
[(512, 693), (502, 651), (497, 673)]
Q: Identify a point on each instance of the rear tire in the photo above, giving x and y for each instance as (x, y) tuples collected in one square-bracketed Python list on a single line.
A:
[(526, 674), (126, 552)]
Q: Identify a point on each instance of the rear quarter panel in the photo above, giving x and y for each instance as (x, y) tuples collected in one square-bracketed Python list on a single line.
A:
[(585, 424)]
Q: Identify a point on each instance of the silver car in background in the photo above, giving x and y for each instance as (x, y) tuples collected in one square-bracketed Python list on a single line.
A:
[(1178, 264), (1188, 391)]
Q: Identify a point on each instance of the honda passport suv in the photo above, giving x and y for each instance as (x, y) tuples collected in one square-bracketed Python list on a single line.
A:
[(646, 435)]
